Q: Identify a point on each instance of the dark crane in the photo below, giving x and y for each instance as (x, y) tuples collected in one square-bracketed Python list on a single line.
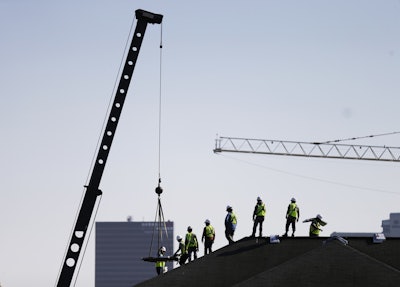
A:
[(92, 189)]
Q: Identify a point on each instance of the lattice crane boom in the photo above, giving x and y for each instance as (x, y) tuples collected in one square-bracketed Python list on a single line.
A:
[(307, 149)]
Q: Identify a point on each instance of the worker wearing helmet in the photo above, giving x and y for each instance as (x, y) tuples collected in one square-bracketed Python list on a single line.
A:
[(230, 224), (191, 244), (183, 256), (208, 237), (292, 215), (315, 226), (160, 265), (258, 216)]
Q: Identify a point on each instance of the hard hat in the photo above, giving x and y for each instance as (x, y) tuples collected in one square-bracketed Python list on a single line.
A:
[(258, 198), (207, 221), (293, 199), (189, 228), (319, 216), (178, 238), (228, 207), (163, 249)]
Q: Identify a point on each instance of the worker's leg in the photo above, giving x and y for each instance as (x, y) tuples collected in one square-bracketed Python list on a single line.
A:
[(190, 250), (293, 226), (261, 221), (254, 227), (287, 225)]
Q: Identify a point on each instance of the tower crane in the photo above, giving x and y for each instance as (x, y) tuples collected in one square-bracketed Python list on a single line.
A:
[(307, 149), (92, 191)]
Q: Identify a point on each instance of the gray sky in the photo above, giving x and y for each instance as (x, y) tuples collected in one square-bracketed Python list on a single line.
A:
[(286, 70)]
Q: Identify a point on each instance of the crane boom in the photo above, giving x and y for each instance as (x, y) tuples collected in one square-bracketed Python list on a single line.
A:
[(92, 189), (307, 149)]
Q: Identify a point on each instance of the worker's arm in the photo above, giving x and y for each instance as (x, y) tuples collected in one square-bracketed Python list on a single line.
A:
[(298, 214)]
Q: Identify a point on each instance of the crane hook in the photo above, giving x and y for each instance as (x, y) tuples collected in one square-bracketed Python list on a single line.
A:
[(159, 189)]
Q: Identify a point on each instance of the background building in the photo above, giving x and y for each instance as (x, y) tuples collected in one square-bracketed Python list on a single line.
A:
[(120, 247), (391, 226)]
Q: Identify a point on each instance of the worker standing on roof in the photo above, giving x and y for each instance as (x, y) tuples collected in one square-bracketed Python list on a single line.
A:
[(258, 216), (160, 265), (315, 226), (230, 224), (208, 237), (191, 244), (292, 215), (183, 256)]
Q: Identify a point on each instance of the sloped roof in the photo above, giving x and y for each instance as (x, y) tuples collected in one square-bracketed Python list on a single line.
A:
[(300, 261)]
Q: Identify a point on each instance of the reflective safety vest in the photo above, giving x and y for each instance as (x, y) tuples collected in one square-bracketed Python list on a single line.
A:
[(182, 247), (315, 227), (260, 209), (210, 231), (191, 240), (160, 264), (293, 210), (233, 218)]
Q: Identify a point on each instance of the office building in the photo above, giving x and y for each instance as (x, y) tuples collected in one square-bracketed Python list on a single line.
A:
[(120, 247)]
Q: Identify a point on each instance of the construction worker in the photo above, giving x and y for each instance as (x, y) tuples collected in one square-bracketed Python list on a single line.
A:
[(315, 226), (230, 224), (292, 215), (191, 244), (208, 237), (183, 256), (160, 265), (258, 216)]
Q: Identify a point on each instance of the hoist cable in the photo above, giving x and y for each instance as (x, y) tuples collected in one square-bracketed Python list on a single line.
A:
[(160, 108), (87, 241), (356, 138)]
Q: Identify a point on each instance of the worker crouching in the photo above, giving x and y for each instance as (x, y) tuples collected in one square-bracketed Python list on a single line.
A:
[(315, 226)]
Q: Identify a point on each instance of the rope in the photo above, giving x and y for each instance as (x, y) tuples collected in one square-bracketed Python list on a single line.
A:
[(356, 138)]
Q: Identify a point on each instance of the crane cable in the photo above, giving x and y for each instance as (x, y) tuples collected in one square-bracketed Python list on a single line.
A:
[(159, 216), (159, 110)]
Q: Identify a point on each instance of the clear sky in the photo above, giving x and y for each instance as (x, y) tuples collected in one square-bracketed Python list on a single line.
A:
[(287, 70)]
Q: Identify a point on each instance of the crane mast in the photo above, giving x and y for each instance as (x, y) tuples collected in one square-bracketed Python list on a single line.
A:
[(307, 149), (92, 189)]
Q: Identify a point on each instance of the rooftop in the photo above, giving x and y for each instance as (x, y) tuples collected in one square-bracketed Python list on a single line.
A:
[(302, 261)]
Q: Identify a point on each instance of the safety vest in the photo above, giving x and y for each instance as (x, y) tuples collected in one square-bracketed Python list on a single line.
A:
[(260, 209), (209, 231), (233, 218), (160, 264), (315, 227), (293, 210), (182, 247), (191, 240)]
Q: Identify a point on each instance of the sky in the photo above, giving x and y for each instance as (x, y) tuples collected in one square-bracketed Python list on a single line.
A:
[(284, 70)]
